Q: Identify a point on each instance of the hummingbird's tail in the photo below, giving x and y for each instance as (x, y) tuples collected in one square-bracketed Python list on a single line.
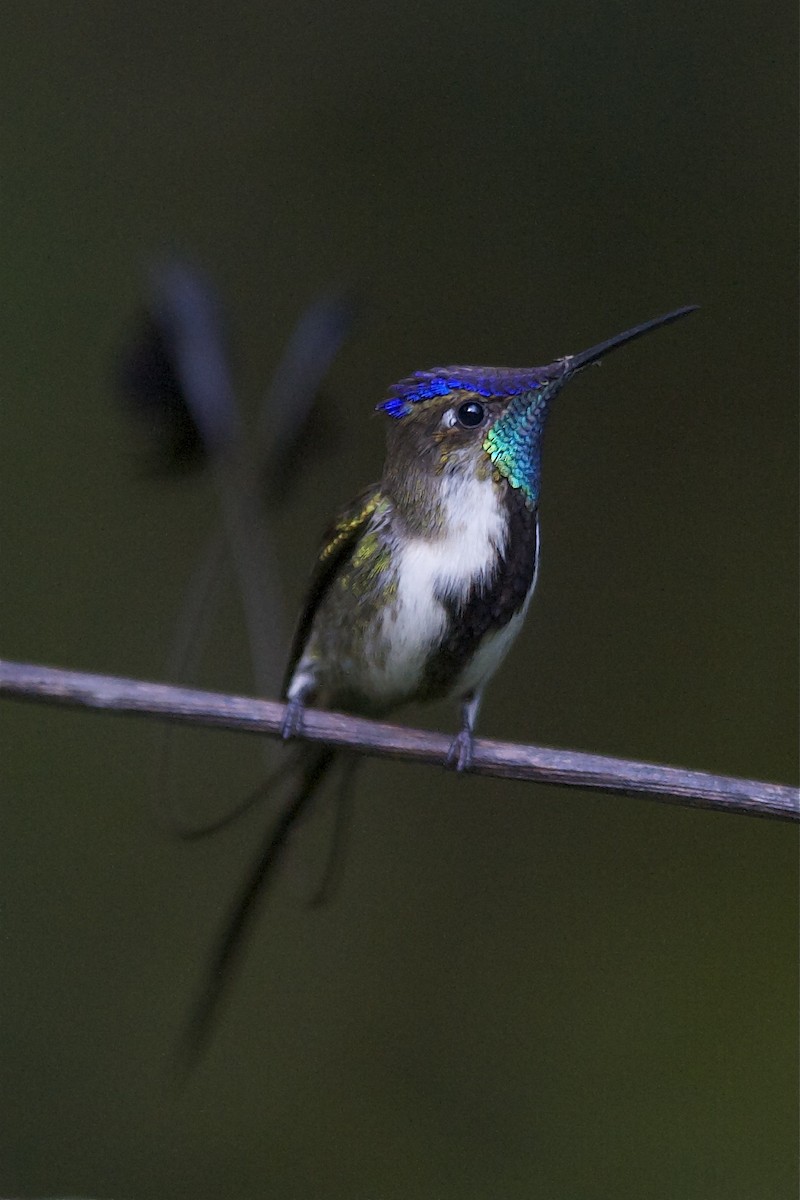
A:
[(312, 766)]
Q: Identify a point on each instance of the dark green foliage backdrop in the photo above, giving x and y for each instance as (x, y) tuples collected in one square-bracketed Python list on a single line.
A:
[(518, 992)]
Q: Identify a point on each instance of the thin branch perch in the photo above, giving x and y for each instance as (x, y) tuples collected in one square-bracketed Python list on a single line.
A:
[(506, 760)]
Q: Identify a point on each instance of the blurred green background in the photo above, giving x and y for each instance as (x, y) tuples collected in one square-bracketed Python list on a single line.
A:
[(518, 992)]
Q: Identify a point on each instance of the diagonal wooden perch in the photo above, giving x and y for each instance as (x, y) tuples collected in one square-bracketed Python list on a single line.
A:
[(506, 760)]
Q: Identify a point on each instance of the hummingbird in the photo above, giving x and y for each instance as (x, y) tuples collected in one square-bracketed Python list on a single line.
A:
[(423, 581)]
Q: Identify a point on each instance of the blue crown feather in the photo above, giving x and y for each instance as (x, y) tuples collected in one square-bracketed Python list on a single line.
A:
[(489, 382)]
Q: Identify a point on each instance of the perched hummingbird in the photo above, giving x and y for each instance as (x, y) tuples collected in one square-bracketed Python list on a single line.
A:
[(423, 581)]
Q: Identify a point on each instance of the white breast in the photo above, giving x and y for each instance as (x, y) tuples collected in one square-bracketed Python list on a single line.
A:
[(430, 569)]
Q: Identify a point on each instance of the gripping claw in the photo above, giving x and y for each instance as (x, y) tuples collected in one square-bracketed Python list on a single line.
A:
[(459, 756), (293, 720)]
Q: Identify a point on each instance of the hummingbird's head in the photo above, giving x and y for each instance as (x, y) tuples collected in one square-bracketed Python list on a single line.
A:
[(481, 421), (471, 421)]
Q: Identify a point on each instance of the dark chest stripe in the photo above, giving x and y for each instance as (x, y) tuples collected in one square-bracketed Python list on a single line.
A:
[(490, 604)]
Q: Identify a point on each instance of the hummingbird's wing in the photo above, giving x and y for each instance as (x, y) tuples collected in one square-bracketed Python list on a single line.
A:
[(338, 541)]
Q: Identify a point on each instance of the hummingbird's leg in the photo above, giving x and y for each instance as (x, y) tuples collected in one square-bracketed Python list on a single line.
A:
[(459, 756), (300, 691)]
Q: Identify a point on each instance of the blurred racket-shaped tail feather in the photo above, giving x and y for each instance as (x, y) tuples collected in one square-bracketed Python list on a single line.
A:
[(176, 378)]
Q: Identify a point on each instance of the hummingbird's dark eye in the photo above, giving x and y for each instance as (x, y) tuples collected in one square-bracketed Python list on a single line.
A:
[(470, 413)]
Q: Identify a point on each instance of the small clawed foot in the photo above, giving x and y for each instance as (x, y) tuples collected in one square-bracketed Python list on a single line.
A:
[(293, 721), (459, 756)]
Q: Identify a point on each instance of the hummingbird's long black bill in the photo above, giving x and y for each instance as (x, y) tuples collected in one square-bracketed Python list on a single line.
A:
[(576, 361)]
